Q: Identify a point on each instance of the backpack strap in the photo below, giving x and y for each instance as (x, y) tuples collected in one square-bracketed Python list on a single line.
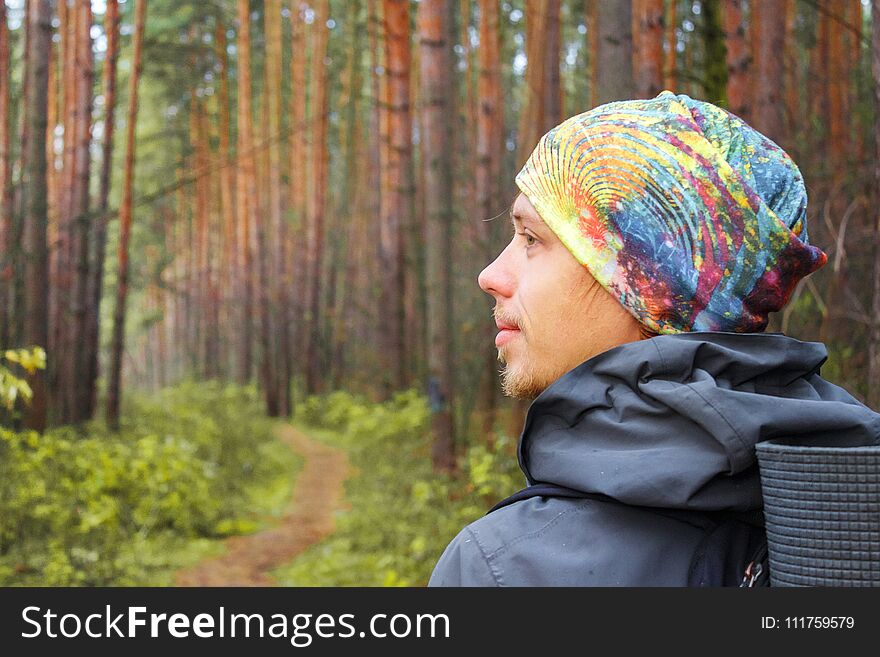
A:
[(756, 572)]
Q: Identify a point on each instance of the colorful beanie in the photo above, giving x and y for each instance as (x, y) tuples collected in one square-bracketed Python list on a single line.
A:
[(691, 218)]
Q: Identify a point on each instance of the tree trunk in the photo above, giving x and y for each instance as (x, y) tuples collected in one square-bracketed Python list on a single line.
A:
[(348, 204), (836, 89), (592, 21), (769, 106), (874, 339), (541, 109), (615, 74), (738, 59), (300, 174), (114, 387), (99, 244), (229, 273), (314, 380), (670, 68), (396, 195), (436, 77), (854, 70), (79, 395), (274, 347), (647, 22), (792, 77), (5, 187), (490, 146), (36, 318), (246, 202)]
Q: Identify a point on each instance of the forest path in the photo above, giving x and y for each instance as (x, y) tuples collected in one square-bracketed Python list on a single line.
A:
[(309, 518)]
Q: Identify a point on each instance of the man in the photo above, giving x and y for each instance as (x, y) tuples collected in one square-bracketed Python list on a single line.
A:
[(651, 240)]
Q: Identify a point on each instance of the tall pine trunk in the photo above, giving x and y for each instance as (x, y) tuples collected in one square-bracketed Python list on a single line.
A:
[(299, 174), (436, 76), (647, 27), (99, 244), (670, 68), (114, 387), (5, 186), (874, 338), (490, 146), (79, 395), (769, 84), (317, 198), (274, 345), (614, 65), (396, 194), (36, 318), (246, 201), (229, 274)]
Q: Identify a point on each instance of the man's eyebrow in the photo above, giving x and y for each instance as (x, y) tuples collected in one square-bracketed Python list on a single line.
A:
[(524, 219)]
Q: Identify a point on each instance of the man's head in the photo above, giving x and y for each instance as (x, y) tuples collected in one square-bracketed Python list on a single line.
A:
[(559, 314), (642, 217)]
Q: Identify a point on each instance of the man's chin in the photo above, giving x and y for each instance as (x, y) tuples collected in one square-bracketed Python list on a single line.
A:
[(519, 384)]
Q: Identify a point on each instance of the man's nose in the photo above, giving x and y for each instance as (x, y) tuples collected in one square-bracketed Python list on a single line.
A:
[(497, 278)]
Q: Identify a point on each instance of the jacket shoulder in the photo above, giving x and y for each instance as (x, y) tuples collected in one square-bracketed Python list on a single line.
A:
[(464, 562), (475, 557), (569, 542)]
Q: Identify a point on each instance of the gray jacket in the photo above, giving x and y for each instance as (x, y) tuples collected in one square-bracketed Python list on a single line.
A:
[(670, 422)]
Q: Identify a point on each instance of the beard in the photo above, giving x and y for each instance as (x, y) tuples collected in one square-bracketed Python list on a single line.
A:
[(523, 380)]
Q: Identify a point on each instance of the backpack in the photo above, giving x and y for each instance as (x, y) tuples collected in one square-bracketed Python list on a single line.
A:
[(732, 552)]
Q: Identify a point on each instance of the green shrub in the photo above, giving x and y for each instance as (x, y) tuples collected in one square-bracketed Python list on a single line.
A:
[(402, 514), (95, 507)]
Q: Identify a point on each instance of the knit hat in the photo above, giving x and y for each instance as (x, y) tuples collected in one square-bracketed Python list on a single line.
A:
[(691, 218)]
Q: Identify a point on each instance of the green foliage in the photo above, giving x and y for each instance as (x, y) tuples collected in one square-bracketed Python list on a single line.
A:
[(190, 463), (402, 515), (12, 386)]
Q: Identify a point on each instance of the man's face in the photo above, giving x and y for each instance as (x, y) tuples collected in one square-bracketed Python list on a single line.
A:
[(558, 315)]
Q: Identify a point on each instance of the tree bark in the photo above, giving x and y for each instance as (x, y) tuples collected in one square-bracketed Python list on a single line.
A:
[(246, 201), (670, 68), (314, 366), (874, 339), (99, 244), (114, 387), (396, 195), (738, 59), (5, 187), (615, 71), (836, 89), (436, 77), (542, 110), (274, 347), (228, 272), (647, 21), (769, 104), (36, 260), (78, 395), (490, 146), (792, 77), (300, 175)]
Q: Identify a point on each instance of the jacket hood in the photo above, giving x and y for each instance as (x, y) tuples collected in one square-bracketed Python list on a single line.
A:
[(673, 421)]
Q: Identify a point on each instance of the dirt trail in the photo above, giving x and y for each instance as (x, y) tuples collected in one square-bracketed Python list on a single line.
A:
[(317, 494)]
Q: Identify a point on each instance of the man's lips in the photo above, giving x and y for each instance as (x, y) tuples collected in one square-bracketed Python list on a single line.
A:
[(505, 334)]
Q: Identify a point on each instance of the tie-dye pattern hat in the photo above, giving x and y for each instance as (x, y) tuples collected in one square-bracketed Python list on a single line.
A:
[(691, 218)]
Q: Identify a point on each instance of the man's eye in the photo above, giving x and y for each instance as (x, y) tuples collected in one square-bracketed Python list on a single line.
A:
[(531, 240)]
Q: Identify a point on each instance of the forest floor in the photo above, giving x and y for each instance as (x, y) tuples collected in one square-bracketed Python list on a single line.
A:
[(317, 494)]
